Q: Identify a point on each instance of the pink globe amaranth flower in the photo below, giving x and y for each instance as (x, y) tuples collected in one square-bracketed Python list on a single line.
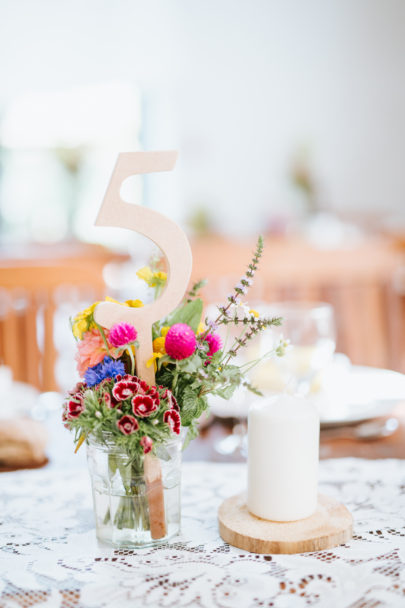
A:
[(147, 444), (143, 405), (128, 424), (91, 350), (180, 341), (214, 343), (74, 407), (124, 389), (172, 418), (121, 334)]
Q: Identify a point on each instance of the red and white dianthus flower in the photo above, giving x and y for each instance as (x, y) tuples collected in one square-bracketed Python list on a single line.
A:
[(171, 399), (147, 444), (143, 405), (172, 418), (128, 424), (125, 388), (74, 407)]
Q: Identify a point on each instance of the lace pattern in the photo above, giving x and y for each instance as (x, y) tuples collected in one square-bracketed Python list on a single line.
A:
[(49, 555)]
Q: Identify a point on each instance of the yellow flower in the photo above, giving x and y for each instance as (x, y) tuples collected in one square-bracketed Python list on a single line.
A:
[(254, 313), (152, 279), (152, 360), (79, 328), (157, 277), (83, 321), (159, 345), (164, 330), (145, 274), (108, 299), (130, 303), (134, 303), (201, 328)]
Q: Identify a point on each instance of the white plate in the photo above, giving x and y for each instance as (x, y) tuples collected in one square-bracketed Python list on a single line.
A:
[(369, 393), (348, 395)]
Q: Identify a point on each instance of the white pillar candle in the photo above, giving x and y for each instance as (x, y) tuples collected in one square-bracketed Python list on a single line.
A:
[(283, 459)]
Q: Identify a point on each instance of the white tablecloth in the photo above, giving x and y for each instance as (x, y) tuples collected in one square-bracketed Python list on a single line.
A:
[(49, 554)]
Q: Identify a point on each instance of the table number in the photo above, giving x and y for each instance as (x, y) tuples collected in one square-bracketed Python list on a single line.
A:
[(173, 243), (165, 233)]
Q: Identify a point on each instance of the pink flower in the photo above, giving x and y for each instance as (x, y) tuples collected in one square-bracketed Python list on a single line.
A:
[(124, 389), (128, 425), (147, 444), (143, 405), (91, 350), (122, 334), (75, 407), (214, 342), (172, 418), (180, 341)]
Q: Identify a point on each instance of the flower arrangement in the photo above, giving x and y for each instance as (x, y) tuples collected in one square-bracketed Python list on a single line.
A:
[(190, 362), (132, 423)]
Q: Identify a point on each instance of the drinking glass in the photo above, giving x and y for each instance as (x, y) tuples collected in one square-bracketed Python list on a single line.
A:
[(310, 329)]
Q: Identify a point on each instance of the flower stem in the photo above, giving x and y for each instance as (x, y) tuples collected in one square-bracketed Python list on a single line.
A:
[(131, 356), (101, 330)]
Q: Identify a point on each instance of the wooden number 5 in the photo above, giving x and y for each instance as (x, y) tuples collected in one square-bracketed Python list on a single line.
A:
[(165, 233)]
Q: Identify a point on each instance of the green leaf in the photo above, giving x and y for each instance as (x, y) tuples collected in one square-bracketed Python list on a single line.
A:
[(190, 365), (192, 433), (155, 330), (226, 392), (164, 376), (253, 389), (192, 406), (190, 314)]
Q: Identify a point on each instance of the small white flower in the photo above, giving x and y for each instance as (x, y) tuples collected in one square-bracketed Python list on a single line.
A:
[(240, 310), (98, 415)]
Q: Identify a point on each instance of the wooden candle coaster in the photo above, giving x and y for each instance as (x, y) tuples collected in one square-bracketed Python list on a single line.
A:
[(331, 525)]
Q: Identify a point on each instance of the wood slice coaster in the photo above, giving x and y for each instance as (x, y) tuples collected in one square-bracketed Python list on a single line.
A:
[(331, 525)]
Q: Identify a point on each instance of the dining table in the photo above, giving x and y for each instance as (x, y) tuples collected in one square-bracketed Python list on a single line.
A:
[(49, 554)]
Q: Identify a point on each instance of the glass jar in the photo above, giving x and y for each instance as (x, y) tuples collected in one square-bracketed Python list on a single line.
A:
[(121, 493)]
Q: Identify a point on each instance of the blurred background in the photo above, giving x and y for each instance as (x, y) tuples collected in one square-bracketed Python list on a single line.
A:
[(289, 120)]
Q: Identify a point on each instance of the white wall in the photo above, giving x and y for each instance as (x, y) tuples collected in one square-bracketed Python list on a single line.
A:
[(237, 86)]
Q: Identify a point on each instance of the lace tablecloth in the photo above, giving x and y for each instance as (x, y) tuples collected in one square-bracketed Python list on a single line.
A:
[(49, 555)]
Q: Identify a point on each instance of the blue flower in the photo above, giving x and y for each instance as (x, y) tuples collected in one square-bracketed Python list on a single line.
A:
[(112, 368), (93, 375), (107, 369)]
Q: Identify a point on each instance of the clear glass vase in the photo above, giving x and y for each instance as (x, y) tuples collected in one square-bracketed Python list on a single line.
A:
[(123, 493)]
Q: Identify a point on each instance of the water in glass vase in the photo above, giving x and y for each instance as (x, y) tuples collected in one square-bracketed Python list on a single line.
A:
[(121, 494)]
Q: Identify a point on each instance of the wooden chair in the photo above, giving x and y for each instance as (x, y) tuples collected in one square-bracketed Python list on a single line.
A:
[(28, 301), (357, 282)]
